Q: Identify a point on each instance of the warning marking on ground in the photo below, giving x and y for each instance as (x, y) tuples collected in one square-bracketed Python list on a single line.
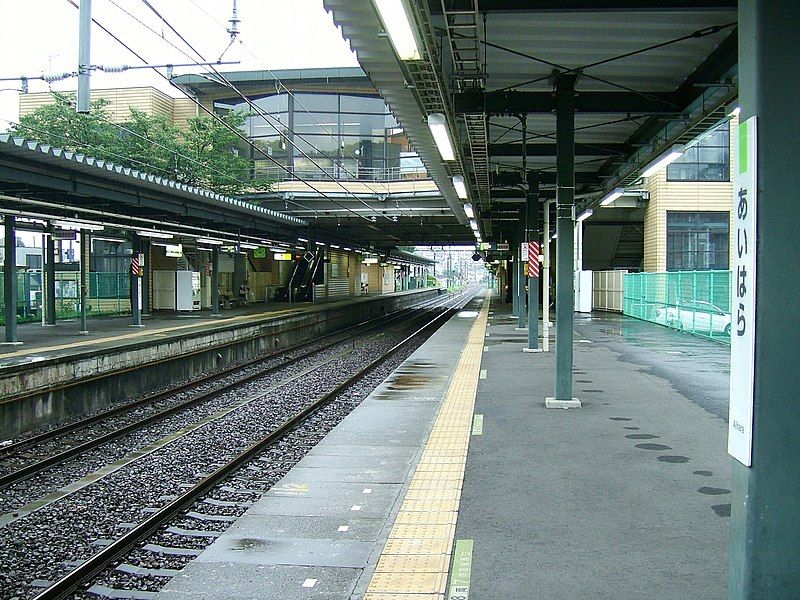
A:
[(477, 425), (462, 571), (483, 374)]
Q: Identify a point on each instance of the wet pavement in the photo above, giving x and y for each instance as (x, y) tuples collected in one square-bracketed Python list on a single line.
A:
[(696, 367)]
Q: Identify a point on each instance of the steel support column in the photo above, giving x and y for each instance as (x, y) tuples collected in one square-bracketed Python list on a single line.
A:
[(10, 279), (546, 280), (84, 291), (522, 300), (215, 282), (533, 282), (146, 248), (50, 281), (765, 528), (514, 278), (565, 226)]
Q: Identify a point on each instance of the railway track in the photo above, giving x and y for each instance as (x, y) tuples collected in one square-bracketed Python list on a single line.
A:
[(198, 482), (55, 447)]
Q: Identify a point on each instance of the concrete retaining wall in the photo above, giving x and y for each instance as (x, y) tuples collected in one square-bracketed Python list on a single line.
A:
[(47, 392)]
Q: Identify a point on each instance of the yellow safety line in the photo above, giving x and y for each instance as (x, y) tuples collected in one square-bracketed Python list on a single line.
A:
[(416, 558)]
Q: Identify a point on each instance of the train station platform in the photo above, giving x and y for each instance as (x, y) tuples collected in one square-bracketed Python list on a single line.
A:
[(452, 480), (39, 378)]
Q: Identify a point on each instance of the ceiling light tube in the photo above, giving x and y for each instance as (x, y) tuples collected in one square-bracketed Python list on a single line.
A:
[(204, 249), (468, 210), (663, 159), (438, 126), (320, 243), (585, 215), (474, 224), (335, 246), (154, 234), (611, 196), (461, 187), (247, 246), (302, 239), (210, 241), (397, 22), (77, 226)]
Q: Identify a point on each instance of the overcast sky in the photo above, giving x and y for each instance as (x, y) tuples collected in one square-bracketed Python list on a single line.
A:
[(41, 37)]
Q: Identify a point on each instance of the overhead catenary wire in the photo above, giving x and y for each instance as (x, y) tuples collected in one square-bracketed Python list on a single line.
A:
[(263, 114), (224, 81), (215, 116)]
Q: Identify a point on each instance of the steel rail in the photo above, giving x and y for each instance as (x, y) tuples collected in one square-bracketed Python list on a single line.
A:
[(98, 562), (32, 469)]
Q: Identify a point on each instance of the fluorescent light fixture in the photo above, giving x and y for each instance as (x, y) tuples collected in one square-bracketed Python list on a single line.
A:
[(302, 240), (468, 210), (154, 234), (300, 247), (461, 187), (335, 246), (247, 246), (611, 196), (585, 215), (210, 241), (474, 224), (438, 126), (77, 226), (346, 249), (320, 243), (663, 159), (204, 249), (397, 22), (102, 238)]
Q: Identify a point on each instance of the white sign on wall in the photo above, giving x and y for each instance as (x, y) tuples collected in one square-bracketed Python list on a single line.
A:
[(743, 295)]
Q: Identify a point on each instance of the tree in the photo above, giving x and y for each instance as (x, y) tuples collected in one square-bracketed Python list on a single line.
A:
[(208, 154)]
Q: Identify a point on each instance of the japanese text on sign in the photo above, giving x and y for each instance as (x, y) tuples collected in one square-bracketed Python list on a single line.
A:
[(743, 296)]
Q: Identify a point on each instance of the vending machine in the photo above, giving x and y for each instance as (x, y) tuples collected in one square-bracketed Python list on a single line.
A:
[(187, 290)]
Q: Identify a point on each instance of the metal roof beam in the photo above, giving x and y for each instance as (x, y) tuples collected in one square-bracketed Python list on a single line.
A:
[(498, 150), (490, 6), (508, 178), (514, 103)]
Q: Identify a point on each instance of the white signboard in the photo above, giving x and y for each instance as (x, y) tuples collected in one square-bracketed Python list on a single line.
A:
[(743, 295)]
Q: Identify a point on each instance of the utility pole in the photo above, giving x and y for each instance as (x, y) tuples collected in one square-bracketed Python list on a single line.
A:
[(84, 55)]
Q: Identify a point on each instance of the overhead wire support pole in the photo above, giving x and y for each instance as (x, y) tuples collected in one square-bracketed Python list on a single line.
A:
[(565, 219), (84, 55), (10, 279), (532, 198), (522, 245)]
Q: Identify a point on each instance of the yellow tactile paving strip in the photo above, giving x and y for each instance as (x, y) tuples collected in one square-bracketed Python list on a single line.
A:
[(416, 558)]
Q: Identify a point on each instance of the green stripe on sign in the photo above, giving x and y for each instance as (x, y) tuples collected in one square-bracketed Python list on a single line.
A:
[(743, 128), (462, 571), (477, 425)]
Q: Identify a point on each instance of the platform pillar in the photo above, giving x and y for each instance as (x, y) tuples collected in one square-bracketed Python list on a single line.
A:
[(215, 282), (145, 248), (523, 280), (546, 279), (765, 527), (533, 282), (10, 279), (50, 281), (84, 291), (513, 277), (565, 226)]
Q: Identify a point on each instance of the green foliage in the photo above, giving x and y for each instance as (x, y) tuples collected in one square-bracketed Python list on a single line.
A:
[(207, 155)]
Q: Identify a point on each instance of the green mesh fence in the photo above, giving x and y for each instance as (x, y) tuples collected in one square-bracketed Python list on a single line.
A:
[(693, 301), (109, 294)]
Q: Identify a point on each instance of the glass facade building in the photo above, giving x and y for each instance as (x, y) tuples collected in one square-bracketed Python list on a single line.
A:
[(345, 136)]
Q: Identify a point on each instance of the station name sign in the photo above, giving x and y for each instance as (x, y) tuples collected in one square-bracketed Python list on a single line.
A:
[(743, 295)]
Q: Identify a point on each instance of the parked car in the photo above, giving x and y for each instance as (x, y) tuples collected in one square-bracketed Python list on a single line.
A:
[(697, 315)]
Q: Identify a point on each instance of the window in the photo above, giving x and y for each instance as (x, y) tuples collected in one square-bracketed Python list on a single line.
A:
[(697, 241), (708, 160)]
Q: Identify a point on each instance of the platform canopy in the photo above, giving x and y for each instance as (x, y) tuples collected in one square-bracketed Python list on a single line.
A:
[(650, 74)]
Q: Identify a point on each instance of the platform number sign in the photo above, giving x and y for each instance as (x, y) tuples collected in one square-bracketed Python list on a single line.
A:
[(462, 571), (743, 295)]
